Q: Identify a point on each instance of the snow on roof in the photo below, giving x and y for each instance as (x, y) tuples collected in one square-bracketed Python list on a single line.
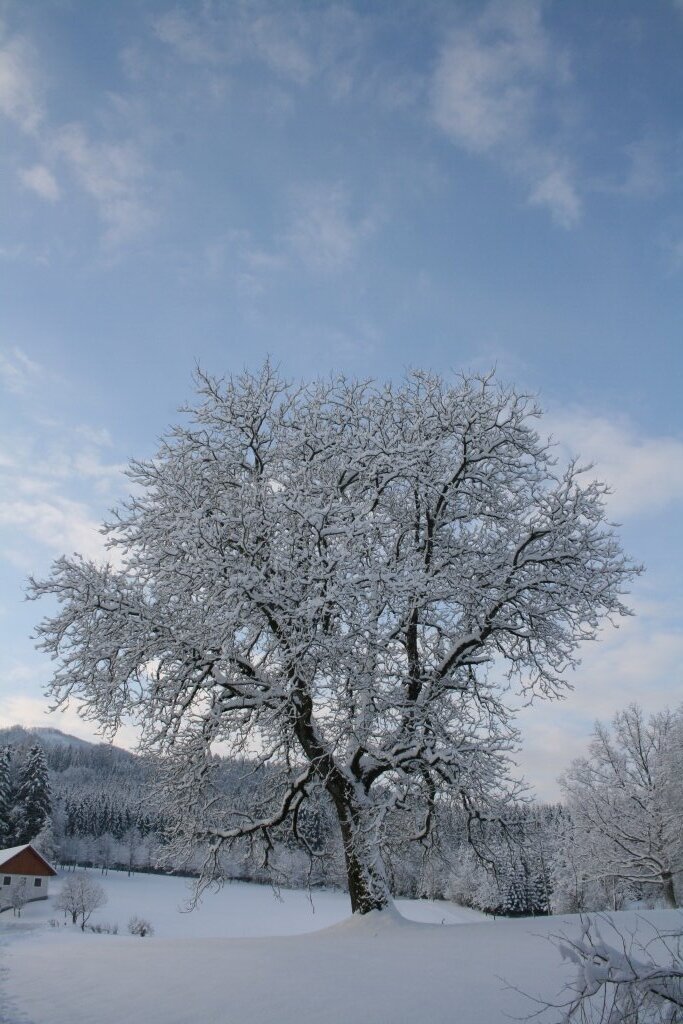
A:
[(12, 851), (15, 851)]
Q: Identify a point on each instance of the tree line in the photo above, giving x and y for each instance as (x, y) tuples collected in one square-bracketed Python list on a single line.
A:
[(95, 806)]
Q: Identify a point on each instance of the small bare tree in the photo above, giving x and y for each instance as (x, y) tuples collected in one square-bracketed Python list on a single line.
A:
[(80, 896), (18, 897)]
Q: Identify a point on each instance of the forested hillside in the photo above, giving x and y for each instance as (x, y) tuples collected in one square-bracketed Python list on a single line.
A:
[(98, 805), (101, 810)]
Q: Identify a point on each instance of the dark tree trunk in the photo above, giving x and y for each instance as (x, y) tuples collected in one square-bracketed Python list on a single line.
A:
[(668, 890), (367, 886)]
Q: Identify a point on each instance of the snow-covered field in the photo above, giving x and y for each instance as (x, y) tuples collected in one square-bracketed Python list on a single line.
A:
[(246, 957)]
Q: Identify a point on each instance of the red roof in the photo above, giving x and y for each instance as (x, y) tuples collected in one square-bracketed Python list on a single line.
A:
[(24, 860)]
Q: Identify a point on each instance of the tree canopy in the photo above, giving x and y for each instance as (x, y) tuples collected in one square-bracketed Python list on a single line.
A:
[(342, 581)]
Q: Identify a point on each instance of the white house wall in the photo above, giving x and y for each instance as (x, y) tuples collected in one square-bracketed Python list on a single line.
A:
[(33, 892)]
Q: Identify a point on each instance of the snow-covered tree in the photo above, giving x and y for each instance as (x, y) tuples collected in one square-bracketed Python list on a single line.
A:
[(5, 798), (18, 896), (32, 801), (333, 580), (626, 804), (45, 842), (80, 896)]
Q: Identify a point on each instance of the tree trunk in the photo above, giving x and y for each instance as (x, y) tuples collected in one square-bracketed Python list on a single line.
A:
[(668, 889), (367, 883), (365, 873)]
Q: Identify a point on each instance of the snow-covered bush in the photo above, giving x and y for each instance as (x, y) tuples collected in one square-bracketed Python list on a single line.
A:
[(103, 928), (140, 926)]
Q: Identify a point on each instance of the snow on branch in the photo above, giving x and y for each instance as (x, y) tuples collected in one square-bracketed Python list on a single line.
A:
[(324, 575)]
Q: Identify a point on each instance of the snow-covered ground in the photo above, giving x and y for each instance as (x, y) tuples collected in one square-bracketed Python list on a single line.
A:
[(246, 957)]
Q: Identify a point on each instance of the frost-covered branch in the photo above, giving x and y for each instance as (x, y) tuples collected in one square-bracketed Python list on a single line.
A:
[(331, 578)]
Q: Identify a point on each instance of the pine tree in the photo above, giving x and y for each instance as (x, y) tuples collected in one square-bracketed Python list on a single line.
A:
[(32, 804), (5, 798)]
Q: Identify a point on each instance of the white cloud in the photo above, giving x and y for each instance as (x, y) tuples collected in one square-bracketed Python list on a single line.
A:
[(55, 481), (557, 192), (641, 660), (645, 473), (57, 523), (40, 180), (275, 44), (19, 91), (112, 174), (494, 83), (17, 370), (638, 663), (231, 36), (187, 37), (323, 233)]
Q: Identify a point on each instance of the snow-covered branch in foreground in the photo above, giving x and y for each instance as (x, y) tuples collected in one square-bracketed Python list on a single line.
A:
[(633, 978), (319, 578)]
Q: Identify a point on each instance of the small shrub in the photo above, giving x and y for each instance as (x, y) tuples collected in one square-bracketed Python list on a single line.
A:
[(103, 928), (139, 926), (54, 923)]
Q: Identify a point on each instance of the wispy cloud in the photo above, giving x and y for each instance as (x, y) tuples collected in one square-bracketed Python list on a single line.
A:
[(639, 662), (280, 49), (187, 37), (17, 370), (305, 43), (494, 86), (20, 93), (644, 473), (54, 477), (234, 35), (41, 180), (557, 192), (325, 233), (56, 523), (113, 174)]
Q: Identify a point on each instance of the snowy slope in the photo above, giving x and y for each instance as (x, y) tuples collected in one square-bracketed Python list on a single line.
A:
[(382, 969)]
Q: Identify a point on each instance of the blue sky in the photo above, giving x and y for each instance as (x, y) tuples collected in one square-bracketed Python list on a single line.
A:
[(358, 187)]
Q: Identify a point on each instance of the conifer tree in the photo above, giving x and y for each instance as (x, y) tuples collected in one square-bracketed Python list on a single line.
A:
[(5, 798), (33, 804)]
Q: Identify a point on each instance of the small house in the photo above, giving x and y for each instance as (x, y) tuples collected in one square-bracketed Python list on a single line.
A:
[(23, 866)]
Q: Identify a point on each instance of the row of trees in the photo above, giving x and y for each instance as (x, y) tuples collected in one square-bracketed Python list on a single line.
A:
[(617, 838)]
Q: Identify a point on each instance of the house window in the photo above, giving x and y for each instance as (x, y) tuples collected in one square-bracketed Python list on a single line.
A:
[(7, 880), (37, 881)]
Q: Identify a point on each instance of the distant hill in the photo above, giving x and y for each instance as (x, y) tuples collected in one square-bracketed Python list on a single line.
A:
[(48, 736)]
